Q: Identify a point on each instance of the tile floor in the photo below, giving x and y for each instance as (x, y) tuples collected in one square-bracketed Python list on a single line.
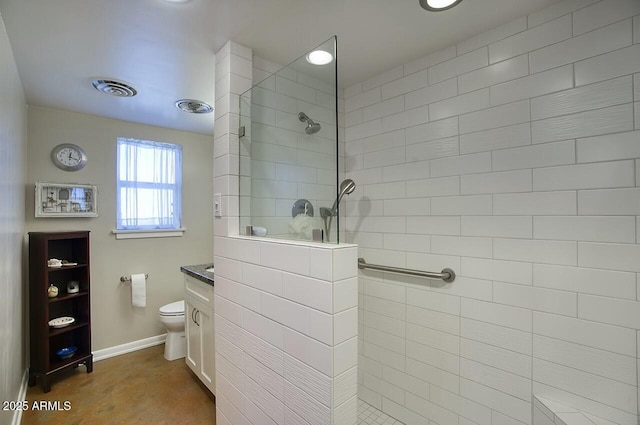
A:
[(369, 415), (135, 388)]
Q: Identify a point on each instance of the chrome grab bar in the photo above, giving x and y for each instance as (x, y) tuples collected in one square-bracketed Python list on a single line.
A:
[(446, 274)]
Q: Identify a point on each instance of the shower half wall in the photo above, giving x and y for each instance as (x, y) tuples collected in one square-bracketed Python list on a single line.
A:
[(513, 158), (285, 311)]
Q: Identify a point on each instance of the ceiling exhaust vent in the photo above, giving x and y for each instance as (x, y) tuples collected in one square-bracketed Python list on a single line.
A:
[(194, 106), (114, 88)]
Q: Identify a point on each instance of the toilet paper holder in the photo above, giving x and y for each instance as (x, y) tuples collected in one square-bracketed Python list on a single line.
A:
[(125, 279)]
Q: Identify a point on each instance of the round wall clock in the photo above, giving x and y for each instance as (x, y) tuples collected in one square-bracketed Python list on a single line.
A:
[(69, 157)]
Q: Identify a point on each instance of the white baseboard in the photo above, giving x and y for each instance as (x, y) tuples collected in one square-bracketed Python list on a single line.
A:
[(118, 350), (22, 395)]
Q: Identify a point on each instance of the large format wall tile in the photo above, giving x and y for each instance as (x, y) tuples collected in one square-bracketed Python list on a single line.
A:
[(523, 177)]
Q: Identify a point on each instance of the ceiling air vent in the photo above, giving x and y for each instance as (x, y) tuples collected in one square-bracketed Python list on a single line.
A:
[(114, 88), (194, 106)]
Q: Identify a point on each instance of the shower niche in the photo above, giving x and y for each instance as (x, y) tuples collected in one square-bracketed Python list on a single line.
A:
[(289, 175)]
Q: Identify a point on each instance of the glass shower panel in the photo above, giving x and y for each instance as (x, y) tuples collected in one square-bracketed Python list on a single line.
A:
[(289, 151)]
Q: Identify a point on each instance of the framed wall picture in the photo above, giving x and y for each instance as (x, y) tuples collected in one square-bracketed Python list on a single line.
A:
[(66, 200)]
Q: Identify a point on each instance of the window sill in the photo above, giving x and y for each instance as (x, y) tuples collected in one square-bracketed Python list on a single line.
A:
[(143, 234)]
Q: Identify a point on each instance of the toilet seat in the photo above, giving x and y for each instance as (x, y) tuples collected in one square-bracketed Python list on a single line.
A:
[(173, 309)]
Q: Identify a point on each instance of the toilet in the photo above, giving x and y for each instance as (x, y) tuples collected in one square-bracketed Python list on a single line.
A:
[(172, 318)]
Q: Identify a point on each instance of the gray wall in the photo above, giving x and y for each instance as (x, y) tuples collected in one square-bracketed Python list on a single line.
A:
[(115, 322), (12, 175), (512, 157)]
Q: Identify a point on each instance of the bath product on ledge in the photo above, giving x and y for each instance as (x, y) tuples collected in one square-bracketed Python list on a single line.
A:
[(259, 231), (301, 227)]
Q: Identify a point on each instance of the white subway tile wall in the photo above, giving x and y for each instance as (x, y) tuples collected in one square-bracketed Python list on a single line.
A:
[(286, 340), (514, 158), (285, 312)]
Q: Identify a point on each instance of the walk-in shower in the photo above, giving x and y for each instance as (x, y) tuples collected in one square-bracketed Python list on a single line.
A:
[(312, 126)]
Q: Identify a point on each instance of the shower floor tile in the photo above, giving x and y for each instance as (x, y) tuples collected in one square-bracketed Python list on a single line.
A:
[(369, 415)]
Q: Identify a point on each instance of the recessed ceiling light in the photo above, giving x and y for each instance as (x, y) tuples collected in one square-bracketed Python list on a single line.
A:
[(319, 57), (438, 5), (193, 106), (114, 87)]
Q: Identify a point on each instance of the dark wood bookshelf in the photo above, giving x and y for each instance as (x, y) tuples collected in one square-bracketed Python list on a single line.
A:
[(71, 327), (68, 296), (45, 341)]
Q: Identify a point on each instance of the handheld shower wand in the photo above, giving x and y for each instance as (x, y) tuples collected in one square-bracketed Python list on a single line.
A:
[(346, 188)]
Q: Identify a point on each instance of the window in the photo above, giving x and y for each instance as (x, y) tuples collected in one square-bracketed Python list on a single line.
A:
[(149, 186)]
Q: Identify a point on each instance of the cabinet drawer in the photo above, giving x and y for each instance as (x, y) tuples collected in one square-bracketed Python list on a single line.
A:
[(198, 290)]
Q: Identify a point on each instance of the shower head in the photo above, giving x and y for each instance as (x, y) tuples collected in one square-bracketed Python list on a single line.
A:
[(312, 126), (346, 188)]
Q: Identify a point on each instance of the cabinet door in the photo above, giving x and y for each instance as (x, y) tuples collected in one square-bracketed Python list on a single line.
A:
[(192, 333), (207, 332), (197, 290)]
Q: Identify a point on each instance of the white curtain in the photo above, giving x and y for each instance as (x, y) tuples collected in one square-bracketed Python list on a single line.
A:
[(149, 187)]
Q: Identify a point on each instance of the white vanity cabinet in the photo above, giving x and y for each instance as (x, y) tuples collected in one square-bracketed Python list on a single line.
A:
[(199, 330)]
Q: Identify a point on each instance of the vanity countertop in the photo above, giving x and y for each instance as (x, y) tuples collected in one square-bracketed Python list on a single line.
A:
[(199, 271)]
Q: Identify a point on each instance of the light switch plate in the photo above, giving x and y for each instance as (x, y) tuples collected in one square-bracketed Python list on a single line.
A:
[(217, 204)]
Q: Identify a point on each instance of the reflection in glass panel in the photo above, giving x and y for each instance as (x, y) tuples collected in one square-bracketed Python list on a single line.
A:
[(289, 155)]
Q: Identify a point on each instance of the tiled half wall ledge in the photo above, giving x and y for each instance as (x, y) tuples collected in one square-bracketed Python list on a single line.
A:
[(548, 412)]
